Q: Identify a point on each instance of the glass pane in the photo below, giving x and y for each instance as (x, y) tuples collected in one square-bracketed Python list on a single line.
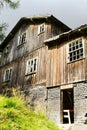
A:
[(73, 43), (70, 58), (69, 45), (74, 58), (77, 56), (74, 48), (70, 54)]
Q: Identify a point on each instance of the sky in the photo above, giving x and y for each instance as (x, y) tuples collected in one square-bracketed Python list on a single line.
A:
[(73, 13)]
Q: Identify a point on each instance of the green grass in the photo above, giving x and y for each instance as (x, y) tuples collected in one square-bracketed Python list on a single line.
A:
[(14, 115)]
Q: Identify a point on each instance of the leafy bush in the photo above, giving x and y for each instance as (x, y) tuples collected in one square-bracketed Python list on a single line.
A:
[(14, 115)]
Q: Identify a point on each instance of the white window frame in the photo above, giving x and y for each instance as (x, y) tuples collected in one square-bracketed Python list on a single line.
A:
[(41, 28), (9, 76), (22, 39), (31, 66), (78, 49)]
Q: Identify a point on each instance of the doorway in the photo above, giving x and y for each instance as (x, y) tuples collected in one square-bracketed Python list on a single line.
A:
[(68, 106)]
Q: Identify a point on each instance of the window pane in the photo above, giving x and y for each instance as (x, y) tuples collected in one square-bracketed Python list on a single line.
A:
[(70, 54), (69, 49), (77, 56), (74, 48), (74, 58), (70, 58)]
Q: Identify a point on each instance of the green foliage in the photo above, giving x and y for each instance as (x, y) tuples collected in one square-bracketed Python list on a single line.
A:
[(9, 3), (12, 5), (14, 115), (3, 28)]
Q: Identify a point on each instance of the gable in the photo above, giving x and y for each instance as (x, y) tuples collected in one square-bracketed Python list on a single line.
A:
[(33, 20)]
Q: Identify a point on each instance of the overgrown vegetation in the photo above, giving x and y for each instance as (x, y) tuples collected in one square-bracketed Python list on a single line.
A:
[(14, 115)]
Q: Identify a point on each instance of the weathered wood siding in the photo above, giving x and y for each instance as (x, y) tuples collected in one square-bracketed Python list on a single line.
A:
[(19, 69), (59, 70), (18, 55), (34, 41), (40, 76), (85, 58)]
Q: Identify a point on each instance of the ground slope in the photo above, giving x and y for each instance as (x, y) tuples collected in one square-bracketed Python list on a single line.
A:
[(14, 115)]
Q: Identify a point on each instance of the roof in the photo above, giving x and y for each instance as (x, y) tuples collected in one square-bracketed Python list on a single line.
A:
[(80, 30), (32, 20)]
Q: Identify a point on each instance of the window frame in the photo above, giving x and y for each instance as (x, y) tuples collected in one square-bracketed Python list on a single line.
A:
[(31, 66), (22, 39), (9, 76), (75, 50), (41, 28)]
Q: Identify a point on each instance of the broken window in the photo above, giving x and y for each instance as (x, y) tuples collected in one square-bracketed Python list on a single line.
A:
[(6, 51), (31, 66), (22, 38), (76, 50), (41, 28), (8, 74)]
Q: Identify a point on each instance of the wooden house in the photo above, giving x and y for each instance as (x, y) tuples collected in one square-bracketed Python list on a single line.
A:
[(24, 58), (46, 61)]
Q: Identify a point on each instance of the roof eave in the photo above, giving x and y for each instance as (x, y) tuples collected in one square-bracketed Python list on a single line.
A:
[(81, 30)]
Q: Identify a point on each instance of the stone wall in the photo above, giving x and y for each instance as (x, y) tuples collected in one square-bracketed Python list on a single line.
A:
[(53, 104), (35, 97), (80, 102)]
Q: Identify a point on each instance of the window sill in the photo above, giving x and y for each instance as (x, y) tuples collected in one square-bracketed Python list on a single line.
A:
[(4, 83), (30, 73), (41, 33), (19, 46), (69, 62)]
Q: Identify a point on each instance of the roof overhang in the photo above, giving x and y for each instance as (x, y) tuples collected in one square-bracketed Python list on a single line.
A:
[(81, 31)]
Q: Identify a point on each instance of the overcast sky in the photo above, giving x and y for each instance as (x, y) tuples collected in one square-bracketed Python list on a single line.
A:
[(71, 12)]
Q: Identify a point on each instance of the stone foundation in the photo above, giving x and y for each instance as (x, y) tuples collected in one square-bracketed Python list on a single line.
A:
[(53, 104), (80, 102)]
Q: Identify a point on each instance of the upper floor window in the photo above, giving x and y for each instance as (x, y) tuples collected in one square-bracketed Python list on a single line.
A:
[(75, 50), (8, 74), (22, 38), (41, 28), (31, 66), (6, 51)]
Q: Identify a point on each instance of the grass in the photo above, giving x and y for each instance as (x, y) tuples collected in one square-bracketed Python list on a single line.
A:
[(14, 115)]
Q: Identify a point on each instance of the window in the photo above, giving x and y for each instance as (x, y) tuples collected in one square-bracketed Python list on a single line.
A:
[(31, 66), (22, 38), (8, 74), (76, 50), (41, 28), (7, 49)]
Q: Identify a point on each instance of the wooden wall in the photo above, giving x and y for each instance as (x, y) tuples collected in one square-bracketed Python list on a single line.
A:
[(34, 42), (59, 70), (18, 55), (19, 69)]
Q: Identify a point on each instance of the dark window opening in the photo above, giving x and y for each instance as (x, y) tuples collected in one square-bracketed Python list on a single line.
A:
[(68, 106)]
